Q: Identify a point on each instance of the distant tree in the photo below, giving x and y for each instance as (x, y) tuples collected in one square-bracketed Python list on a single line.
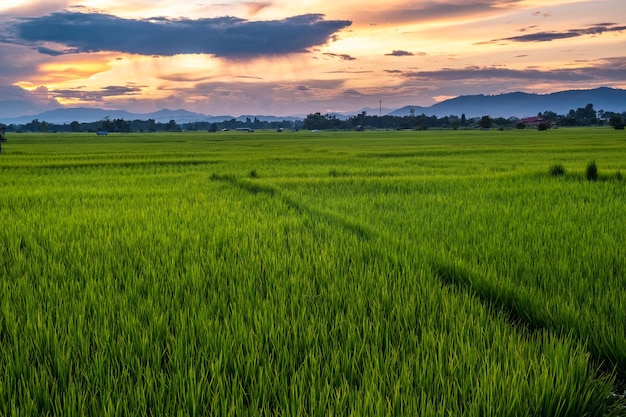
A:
[(316, 121), (106, 125), (501, 122), (362, 117), (32, 126), (549, 116), (463, 120), (485, 122), (421, 122), (36, 126), (617, 122), (172, 126), (74, 126), (121, 125), (586, 116)]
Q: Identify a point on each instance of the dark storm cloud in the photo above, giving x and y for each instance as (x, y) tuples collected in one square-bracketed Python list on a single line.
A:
[(572, 33), (48, 51), (76, 32)]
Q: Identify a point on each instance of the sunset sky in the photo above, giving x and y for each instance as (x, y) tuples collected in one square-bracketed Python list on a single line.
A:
[(280, 57)]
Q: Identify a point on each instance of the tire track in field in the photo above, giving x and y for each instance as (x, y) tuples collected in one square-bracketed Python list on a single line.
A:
[(514, 306), (254, 187), (452, 273)]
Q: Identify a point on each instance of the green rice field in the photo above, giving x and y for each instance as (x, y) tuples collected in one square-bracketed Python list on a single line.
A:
[(437, 273)]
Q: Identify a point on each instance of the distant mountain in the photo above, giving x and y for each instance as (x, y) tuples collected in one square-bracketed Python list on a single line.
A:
[(86, 115), (523, 104), (164, 116), (68, 115), (502, 105)]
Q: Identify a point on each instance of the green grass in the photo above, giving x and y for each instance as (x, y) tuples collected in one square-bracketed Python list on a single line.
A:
[(375, 273)]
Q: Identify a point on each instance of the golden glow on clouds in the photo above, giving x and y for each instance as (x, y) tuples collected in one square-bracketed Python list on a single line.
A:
[(58, 72), (31, 7), (360, 60), (13, 6)]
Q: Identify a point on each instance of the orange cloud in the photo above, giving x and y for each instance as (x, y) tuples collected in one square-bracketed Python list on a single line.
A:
[(71, 69), (254, 7)]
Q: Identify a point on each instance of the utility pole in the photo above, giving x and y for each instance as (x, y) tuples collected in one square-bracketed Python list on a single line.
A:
[(380, 110)]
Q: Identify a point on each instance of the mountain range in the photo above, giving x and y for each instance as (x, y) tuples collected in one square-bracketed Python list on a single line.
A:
[(516, 104), (523, 104), (86, 115)]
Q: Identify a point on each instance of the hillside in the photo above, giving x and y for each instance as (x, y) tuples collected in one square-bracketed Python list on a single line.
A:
[(523, 104)]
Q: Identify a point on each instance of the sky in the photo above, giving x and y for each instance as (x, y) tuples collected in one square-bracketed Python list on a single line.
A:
[(280, 57)]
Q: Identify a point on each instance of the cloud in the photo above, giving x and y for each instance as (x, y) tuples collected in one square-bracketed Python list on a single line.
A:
[(349, 72), (20, 64), (527, 28), (607, 70), (34, 8), (17, 101), (96, 95), (343, 57), (254, 7), (436, 10), (230, 37), (185, 77), (572, 33), (400, 53), (48, 51), (250, 96), (352, 92)]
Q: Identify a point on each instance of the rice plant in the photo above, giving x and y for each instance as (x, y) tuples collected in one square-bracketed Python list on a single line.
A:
[(154, 275), (592, 171), (557, 170)]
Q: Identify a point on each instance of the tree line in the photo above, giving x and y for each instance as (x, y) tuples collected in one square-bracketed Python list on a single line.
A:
[(150, 125), (583, 116)]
